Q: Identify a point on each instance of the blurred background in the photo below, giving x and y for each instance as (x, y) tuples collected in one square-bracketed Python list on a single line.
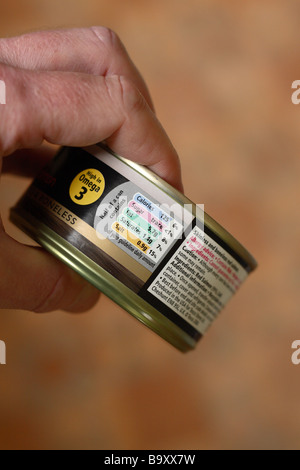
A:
[(220, 74)]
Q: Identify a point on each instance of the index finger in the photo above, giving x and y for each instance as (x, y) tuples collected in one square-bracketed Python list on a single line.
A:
[(97, 50), (78, 87), (76, 109)]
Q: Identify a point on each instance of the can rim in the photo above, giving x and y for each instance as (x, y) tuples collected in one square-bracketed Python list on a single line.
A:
[(201, 215)]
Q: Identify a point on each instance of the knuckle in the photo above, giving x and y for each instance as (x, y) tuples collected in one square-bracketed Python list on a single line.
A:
[(52, 296), (124, 95), (107, 37), (133, 100)]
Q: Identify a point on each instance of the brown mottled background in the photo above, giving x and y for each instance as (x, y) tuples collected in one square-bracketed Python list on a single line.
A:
[(220, 73)]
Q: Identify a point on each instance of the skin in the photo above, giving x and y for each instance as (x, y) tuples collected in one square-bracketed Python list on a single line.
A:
[(72, 87)]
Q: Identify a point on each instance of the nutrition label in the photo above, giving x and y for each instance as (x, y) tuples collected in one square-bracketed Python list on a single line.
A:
[(135, 222), (198, 280), (147, 227)]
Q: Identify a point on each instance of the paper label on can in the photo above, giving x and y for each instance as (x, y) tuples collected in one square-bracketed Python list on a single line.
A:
[(136, 232), (136, 223), (198, 280)]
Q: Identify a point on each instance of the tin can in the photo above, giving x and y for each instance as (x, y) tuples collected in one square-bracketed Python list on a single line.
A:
[(137, 239)]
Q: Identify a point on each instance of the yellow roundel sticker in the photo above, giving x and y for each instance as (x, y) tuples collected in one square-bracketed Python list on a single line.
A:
[(87, 187)]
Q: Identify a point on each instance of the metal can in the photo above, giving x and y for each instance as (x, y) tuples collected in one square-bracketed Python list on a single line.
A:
[(137, 239)]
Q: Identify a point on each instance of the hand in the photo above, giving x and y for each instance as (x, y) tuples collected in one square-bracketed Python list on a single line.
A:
[(73, 87)]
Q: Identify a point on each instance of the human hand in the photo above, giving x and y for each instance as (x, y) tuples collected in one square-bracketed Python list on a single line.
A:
[(76, 88)]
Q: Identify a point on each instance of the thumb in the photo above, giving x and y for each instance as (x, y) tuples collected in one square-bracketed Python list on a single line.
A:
[(48, 285)]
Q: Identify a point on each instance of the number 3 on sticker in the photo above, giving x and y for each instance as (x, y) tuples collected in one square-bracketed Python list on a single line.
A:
[(81, 194), (87, 187)]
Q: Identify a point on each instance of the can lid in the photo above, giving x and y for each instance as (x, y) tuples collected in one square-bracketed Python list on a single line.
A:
[(181, 199)]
